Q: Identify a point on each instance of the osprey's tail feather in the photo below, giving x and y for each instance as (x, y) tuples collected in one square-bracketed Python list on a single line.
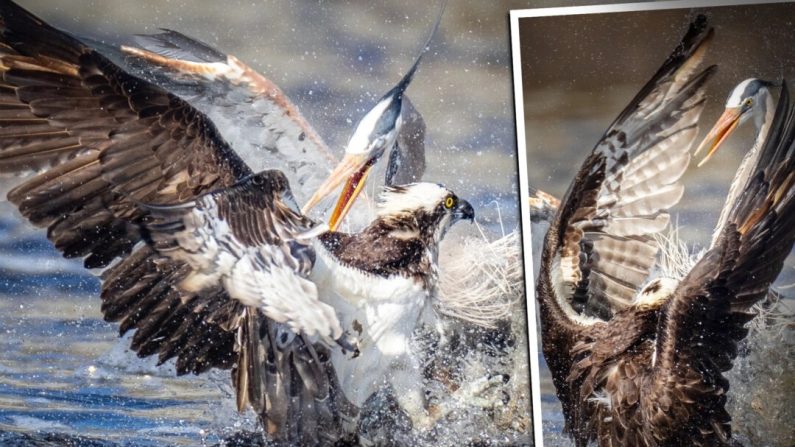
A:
[(290, 383)]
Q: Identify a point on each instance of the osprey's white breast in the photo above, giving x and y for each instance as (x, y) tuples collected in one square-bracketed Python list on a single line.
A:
[(381, 312)]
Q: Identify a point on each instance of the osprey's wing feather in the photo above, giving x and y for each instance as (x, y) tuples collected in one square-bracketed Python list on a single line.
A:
[(105, 142), (249, 240), (251, 112), (600, 246), (109, 148), (102, 141), (604, 245), (701, 325)]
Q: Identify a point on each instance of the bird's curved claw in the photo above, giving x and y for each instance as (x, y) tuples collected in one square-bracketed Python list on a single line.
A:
[(348, 345)]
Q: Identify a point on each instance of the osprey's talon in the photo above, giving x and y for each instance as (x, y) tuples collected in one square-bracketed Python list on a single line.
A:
[(348, 345)]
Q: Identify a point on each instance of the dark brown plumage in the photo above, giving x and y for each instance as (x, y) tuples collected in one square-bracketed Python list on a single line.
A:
[(649, 371), (110, 142), (581, 228), (401, 255), (76, 113), (404, 244)]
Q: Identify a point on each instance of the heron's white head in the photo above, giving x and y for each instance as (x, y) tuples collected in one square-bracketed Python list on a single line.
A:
[(751, 98), (376, 132)]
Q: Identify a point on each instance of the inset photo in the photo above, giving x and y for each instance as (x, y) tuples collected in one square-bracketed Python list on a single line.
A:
[(657, 173)]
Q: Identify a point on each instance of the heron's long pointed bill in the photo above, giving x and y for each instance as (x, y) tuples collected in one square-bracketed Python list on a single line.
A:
[(343, 170), (351, 190), (353, 169), (719, 132)]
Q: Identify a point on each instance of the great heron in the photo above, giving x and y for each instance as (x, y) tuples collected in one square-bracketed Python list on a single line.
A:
[(375, 133)]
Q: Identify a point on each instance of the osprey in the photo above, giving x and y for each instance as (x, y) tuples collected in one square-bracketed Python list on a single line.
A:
[(638, 360), (208, 260)]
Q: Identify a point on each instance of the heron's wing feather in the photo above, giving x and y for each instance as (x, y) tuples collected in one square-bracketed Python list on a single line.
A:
[(701, 325), (251, 112), (407, 159), (291, 383), (620, 197)]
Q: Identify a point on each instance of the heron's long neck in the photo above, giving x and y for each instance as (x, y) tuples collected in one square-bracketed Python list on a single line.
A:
[(747, 166)]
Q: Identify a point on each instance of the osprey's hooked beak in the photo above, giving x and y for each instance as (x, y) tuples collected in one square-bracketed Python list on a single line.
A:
[(354, 169), (725, 125), (464, 211)]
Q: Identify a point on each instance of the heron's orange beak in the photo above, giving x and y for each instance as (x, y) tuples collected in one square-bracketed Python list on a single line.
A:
[(719, 132), (355, 169)]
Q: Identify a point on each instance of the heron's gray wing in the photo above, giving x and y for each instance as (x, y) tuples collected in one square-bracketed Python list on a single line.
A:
[(250, 111), (604, 242), (292, 384), (701, 326), (407, 159)]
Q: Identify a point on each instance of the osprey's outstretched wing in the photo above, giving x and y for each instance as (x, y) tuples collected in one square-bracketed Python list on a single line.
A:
[(600, 247), (112, 153), (701, 325), (247, 239)]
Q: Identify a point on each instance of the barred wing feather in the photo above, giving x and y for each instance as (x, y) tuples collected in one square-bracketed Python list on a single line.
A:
[(605, 246)]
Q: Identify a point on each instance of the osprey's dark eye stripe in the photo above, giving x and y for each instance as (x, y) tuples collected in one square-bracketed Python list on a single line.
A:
[(449, 202)]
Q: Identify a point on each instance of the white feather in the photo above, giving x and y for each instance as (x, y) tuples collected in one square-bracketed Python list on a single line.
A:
[(387, 310), (736, 96), (360, 140), (409, 198), (258, 276)]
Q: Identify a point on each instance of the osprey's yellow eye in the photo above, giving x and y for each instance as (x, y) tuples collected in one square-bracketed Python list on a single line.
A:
[(449, 202)]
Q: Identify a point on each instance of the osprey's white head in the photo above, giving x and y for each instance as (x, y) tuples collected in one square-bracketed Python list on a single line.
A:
[(656, 293), (429, 208), (404, 237), (405, 199)]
